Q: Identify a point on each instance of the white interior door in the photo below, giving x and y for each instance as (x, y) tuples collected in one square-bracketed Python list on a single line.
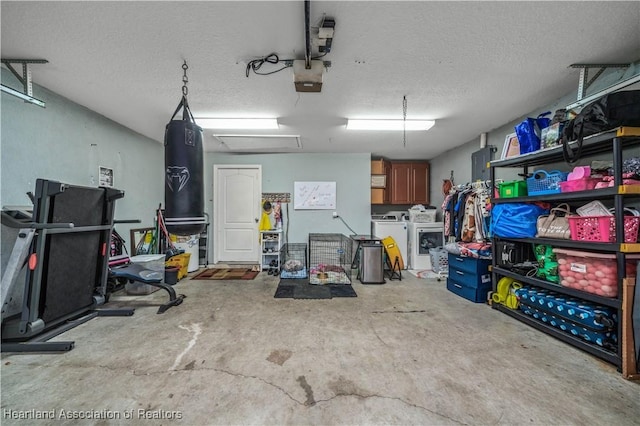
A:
[(237, 192)]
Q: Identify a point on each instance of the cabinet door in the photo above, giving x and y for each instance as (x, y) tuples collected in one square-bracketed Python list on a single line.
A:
[(386, 196), (401, 183), (377, 167), (420, 183), (380, 195)]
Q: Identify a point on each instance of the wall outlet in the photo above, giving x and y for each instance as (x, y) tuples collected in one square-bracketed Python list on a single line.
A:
[(335, 214)]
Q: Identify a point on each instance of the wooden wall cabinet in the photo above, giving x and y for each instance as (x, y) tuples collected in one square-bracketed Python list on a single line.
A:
[(381, 195), (409, 182)]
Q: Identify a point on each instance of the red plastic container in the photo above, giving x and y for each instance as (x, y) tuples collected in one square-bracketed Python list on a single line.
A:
[(602, 228), (583, 184)]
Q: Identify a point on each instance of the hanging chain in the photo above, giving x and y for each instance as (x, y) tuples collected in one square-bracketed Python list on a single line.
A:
[(185, 79), (404, 121)]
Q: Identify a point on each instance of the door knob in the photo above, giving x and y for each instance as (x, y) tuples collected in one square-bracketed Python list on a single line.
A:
[(256, 219)]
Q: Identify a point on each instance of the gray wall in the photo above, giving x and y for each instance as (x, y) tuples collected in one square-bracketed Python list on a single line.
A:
[(67, 142), (459, 159), (351, 172)]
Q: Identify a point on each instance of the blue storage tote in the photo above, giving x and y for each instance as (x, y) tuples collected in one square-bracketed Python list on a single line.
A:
[(592, 323), (543, 182), (474, 294), (469, 277)]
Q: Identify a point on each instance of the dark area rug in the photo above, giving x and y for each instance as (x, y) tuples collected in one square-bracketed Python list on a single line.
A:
[(301, 289), (284, 292), (226, 274), (342, 290), (311, 292)]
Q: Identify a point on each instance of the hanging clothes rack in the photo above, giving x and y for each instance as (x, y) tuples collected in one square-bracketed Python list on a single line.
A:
[(466, 212)]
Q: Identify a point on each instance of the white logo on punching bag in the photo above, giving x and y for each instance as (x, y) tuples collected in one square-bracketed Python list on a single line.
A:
[(177, 174), (189, 137)]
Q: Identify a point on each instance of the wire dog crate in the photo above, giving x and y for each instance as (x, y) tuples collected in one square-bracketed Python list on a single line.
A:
[(330, 257), (293, 258)]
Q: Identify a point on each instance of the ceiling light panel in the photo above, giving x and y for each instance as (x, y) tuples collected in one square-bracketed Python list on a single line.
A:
[(414, 125), (238, 123)]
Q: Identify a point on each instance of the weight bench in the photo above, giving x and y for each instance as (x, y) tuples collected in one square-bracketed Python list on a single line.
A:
[(135, 272)]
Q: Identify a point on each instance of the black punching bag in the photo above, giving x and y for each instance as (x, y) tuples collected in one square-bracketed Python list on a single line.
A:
[(183, 163)]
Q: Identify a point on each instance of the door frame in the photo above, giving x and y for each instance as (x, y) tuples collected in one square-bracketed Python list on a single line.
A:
[(216, 203)]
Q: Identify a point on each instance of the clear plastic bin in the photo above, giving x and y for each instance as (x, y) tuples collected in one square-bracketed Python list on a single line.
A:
[(592, 272), (153, 262)]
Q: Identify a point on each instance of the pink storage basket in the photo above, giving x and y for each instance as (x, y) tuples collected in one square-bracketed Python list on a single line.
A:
[(602, 228), (583, 184)]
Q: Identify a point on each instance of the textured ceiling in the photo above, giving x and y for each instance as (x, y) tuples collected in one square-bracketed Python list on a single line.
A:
[(472, 66)]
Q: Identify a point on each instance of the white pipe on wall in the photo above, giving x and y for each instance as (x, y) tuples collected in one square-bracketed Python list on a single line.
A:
[(483, 140)]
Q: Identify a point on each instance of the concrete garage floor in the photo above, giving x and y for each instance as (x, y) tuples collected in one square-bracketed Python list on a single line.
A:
[(407, 352)]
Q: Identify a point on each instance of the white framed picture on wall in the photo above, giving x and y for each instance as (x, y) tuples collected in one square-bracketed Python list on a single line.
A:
[(106, 177)]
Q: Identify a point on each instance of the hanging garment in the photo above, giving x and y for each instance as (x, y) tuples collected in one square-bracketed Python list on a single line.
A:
[(446, 215), (277, 214), (459, 213), (468, 233), (484, 201), (265, 220), (483, 213), (479, 218)]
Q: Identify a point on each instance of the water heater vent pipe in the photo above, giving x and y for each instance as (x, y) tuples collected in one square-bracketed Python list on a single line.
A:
[(483, 140)]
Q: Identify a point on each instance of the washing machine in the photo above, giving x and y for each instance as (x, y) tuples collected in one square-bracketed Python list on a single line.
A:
[(392, 225), (422, 238)]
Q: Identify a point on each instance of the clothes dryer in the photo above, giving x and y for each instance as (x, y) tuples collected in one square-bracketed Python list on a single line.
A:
[(422, 238)]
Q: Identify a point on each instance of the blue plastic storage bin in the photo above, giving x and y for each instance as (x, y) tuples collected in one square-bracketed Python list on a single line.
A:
[(543, 182)]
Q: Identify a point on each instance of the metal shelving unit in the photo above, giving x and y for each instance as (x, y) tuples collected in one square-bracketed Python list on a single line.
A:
[(601, 300), (612, 142), (598, 351)]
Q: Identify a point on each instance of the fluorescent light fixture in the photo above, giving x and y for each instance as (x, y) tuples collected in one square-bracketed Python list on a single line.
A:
[(237, 123), (389, 124)]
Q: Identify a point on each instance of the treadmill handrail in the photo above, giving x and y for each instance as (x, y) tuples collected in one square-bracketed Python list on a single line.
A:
[(11, 222)]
